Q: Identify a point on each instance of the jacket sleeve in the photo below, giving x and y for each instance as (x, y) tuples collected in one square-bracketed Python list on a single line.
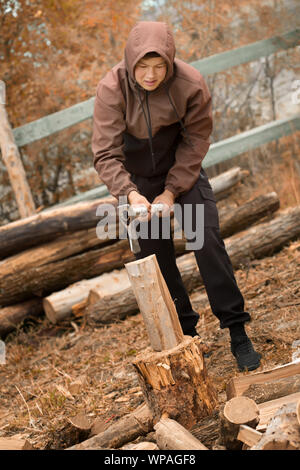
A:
[(195, 141), (107, 140)]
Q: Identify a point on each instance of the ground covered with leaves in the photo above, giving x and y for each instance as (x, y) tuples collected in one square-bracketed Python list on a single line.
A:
[(55, 372)]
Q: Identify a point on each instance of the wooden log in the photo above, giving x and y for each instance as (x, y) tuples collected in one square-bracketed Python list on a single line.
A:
[(261, 393), (126, 429), (298, 411), (224, 183), (237, 411), (58, 305), (111, 307), (175, 381), (254, 242), (145, 445), (117, 307), (237, 386), (54, 222), (268, 409), (238, 219), (15, 169), (283, 431), (45, 226), (15, 443), (13, 316), (34, 271), (170, 435), (44, 279), (155, 303), (248, 436)]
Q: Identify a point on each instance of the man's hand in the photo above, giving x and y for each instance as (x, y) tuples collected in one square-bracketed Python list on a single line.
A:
[(136, 199), (166, 198)]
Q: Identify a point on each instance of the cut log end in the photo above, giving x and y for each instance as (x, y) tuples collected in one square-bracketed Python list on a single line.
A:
[(237, 411), (241, 410), (49, 311)]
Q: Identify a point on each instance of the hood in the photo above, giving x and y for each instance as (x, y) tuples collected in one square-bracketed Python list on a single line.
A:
[(149, 36)]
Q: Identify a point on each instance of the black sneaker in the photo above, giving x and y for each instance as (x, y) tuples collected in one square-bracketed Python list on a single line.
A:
[(246, 356)]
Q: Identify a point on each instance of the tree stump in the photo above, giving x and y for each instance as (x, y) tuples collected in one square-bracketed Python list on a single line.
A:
[(237, 411), (175, 382)]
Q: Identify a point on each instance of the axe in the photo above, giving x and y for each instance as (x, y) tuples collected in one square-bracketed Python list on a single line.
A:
[(128, 213)]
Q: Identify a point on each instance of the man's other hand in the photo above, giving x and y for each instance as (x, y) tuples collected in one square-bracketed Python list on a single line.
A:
[(166, 198)]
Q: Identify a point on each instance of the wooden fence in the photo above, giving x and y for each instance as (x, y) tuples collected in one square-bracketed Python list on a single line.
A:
[(218, 152)]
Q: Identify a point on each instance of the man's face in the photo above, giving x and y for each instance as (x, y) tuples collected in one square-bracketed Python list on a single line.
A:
[(150, 72)]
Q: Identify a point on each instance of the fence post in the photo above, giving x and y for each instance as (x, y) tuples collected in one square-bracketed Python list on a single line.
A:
[(12, 160)]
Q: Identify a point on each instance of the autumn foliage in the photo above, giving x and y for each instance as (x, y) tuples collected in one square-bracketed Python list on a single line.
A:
[(53, 54)]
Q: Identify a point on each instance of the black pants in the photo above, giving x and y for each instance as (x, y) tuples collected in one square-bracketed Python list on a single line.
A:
[(214, 264)]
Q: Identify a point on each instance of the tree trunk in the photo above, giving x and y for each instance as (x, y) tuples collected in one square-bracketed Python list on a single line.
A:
[(239, 385), (283, 431), (59, 305), (11, 317), (237, 411), (44, 279), (14, 166), (175, 382), (170, 435), (45, 226), (224, 183), (128, 428), (53, 266), (238, 219), (261, 393), (52, 223), (240, 248)]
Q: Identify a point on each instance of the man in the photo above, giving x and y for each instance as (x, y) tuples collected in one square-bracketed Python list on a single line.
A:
[(151, 129)]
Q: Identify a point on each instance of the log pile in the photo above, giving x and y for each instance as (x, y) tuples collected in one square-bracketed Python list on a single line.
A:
[(239, 424), (53, 262)]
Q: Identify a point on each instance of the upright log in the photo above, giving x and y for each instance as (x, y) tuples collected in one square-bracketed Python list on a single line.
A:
[(14, 165), (173, 378), (155, 303)]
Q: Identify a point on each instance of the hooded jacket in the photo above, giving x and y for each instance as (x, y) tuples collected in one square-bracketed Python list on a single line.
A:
[(164, 132)]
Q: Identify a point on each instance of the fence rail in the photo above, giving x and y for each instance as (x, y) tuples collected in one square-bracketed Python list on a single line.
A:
[(65, 118), (218, 152)]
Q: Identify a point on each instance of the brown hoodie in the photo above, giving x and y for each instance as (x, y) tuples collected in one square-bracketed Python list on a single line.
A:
[(162, 132)]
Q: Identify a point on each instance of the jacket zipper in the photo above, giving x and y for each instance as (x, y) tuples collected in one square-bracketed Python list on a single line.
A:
[(150, 132)]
